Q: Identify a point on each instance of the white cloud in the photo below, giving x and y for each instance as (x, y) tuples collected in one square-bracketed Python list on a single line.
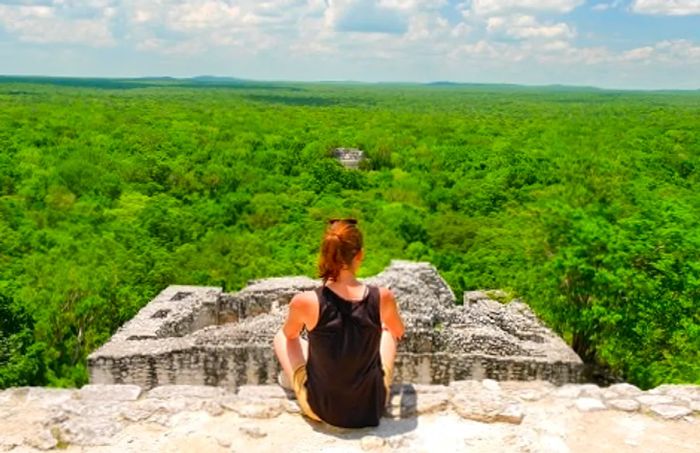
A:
[(367, 16), (668, 53), (203, 15), (190, 26), (46, 24), (606, 6), (678, 50), (640, 53), (555, 53), (414, 5), (502, 7), (667, 7), (527, 27)]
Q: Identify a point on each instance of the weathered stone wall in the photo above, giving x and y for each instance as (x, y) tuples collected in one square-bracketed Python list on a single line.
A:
[(202, 336)]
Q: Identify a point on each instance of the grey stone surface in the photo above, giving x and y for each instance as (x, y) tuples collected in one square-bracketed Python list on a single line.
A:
[(511, 413), (41, 440), (551, 444), (402, 441), (591, 391), (682, 392), (18, 394), (48, 397), (371, 442), (628, 405), (99, 392), (262, 409), (252, 431), (291, 407), (90, 431), (567, 391), (409, 400), (193, 335), (490, 384), (586, 404), (653, 399), (608, 394), (670, 411), (472, 400), (625, 389), (222, 441), (186, 391), (86, 423), (213, 408), (261, 391), (488, 411), (528, 390)]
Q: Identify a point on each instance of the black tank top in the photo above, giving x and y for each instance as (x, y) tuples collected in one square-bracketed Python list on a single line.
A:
[(345, 384)]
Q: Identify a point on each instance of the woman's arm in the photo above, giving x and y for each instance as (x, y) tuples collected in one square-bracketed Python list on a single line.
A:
[(389, 313), (296, 317)]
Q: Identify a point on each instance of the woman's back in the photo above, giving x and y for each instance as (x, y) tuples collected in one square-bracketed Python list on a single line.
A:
[(343, 373), (345, 377)]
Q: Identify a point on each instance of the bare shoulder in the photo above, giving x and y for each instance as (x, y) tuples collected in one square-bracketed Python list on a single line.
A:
[(305, 300), (305, 305)]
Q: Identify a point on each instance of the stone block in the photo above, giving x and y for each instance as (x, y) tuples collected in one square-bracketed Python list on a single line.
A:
[(96, 392), (261, 391), (670, 411), (186, 391), (586, 404), (625, 389), (49, 397), (628, 405), (651, 400)]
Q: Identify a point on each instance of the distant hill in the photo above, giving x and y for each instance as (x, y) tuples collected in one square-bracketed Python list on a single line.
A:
[(216, 79), (511, 86), (213, 81)]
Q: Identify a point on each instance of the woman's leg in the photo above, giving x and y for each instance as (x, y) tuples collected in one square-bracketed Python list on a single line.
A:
[(290, 353)]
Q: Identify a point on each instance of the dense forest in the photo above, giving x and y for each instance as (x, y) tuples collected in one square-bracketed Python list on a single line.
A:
[(584, 203)]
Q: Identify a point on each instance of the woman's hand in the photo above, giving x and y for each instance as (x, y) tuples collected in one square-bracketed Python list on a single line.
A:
[(397, 339)]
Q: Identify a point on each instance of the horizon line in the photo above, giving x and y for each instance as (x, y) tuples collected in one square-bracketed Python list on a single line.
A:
[(224, 78)]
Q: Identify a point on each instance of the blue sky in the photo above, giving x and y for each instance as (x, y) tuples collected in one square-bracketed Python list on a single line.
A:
[(605, 43)]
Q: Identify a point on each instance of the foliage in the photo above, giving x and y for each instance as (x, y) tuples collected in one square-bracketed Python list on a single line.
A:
[(584, 203)]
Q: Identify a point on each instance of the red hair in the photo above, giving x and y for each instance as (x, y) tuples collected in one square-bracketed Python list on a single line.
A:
[(341, 242)]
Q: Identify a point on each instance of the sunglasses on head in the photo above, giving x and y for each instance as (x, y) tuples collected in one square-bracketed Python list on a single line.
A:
[(348, 221)]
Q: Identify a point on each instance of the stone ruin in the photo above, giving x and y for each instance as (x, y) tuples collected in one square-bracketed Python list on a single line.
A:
[(349, 157), (203, 336)]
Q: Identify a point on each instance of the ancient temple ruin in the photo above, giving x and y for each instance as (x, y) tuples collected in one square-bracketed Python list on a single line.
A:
[(202, 335), (349, 157)]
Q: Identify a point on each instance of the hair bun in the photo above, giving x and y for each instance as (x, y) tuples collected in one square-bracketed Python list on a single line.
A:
[(341, 243)]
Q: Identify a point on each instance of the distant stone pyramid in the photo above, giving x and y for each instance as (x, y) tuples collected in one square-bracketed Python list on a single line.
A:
[(349, 157)]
